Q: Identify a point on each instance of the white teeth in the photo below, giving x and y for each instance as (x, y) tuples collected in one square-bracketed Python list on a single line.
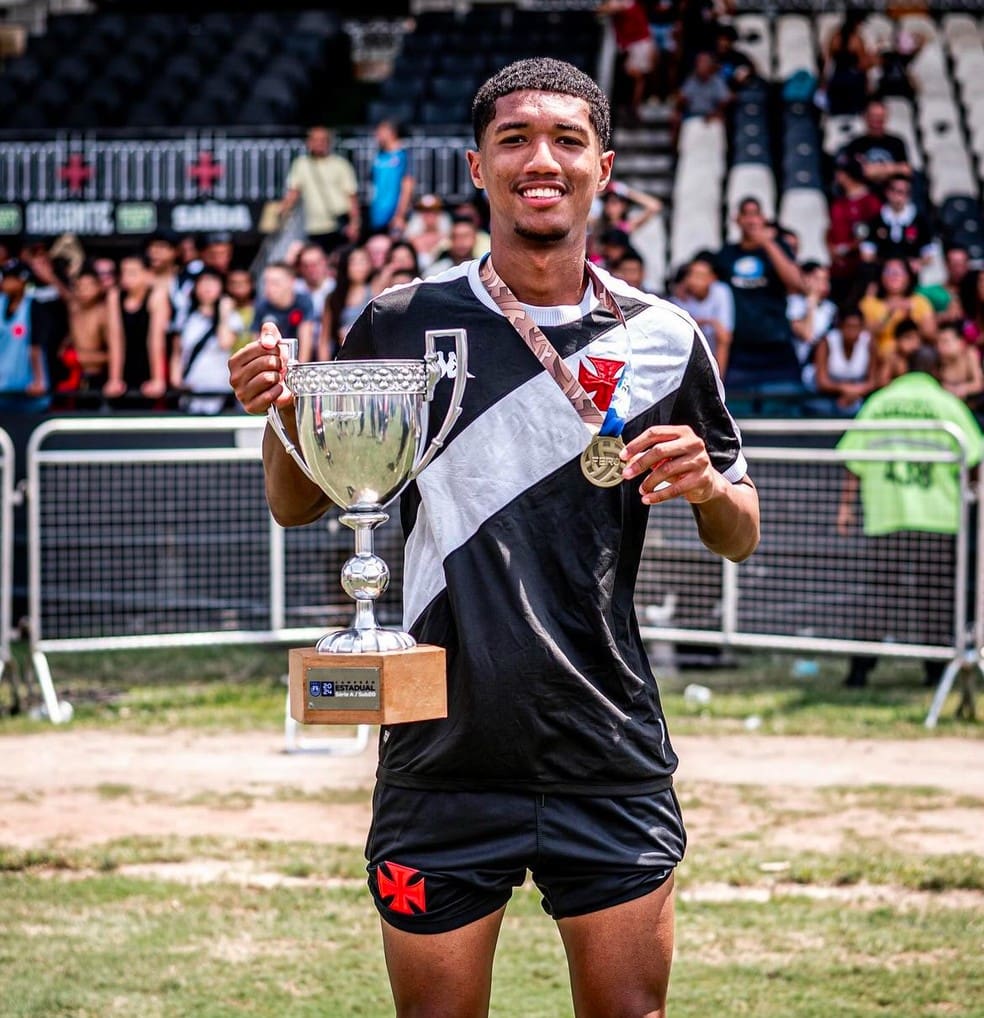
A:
[(542, 192)]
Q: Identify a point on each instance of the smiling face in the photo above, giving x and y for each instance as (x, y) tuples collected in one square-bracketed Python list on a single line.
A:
[(541, 164)]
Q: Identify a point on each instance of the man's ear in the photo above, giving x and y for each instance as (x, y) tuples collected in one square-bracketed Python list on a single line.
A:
[(475, 168), (607, 165)]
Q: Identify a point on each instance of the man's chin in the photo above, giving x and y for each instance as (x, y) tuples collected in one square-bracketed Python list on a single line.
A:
[(544, 236)]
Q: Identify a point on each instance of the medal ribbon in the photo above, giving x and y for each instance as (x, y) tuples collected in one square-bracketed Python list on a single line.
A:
[(532, 335)]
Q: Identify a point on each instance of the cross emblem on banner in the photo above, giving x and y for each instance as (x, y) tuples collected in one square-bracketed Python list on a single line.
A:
[(205, 171), (76, 173)]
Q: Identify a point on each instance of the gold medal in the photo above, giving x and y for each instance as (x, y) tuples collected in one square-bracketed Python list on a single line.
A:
[(600, 462)]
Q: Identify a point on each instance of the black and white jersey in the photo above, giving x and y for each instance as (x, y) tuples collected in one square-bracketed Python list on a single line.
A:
[(515, 563)]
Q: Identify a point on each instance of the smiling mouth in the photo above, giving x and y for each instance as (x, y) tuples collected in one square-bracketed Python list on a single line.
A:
[(541, 192)]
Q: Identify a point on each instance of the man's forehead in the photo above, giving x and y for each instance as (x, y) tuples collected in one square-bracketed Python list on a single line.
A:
[(529, 104)]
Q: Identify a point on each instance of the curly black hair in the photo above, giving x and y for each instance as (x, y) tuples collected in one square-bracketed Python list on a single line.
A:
[(542, 74)]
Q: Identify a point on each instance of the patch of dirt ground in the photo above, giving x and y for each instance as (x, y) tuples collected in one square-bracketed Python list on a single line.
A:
[(85, 787)]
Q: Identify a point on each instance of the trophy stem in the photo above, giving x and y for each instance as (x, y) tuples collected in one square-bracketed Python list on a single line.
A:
[(364, 577)]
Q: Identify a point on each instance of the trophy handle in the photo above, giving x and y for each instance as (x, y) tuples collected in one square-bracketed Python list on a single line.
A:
[(288, 354), (460, 377)]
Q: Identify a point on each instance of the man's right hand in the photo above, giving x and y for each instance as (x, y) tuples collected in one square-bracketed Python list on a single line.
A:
[(256, 373)]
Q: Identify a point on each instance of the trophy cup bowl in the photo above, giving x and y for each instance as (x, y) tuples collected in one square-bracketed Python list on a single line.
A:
[(361, 427)]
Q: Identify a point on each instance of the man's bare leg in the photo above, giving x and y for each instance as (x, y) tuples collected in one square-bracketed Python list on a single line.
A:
[(620, 957), (442, 975)]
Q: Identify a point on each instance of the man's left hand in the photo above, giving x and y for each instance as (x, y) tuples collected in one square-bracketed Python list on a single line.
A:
[(676, 458)]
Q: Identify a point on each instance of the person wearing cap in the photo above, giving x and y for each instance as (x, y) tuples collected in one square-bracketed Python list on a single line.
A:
[(23, 379), (325, 185), (428, 229)]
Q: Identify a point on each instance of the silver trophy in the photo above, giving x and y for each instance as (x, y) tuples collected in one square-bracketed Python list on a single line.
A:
[(361, 427)]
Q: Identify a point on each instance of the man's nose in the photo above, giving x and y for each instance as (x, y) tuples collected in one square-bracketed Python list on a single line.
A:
[(542, 158)]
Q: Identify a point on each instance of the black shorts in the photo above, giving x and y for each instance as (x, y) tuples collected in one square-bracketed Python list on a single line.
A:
[(440, 860)]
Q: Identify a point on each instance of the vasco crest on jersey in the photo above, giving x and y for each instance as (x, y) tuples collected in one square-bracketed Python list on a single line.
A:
[(598, 377)]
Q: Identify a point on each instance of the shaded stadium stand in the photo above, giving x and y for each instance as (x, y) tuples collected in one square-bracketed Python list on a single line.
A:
[(447, 55), (174, 70), (794, 47), (803, 206)]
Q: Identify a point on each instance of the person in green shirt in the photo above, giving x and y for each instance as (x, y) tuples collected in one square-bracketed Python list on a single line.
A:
[(911, 508)]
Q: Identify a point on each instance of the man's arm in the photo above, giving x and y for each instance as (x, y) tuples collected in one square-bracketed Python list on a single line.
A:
[(399, 220), (787, 270), (727, 513)]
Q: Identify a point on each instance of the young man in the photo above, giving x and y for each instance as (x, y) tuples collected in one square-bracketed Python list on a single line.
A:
[(23, 377), (554, 755), (291, 312), (392, 182)]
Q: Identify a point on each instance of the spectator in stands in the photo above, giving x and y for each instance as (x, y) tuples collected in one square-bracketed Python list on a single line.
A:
[(378, 248), (899, 230), (972, 299), (217, 252), (761, 275), (945, 297), (241, 312), (703, 93), (734, 67), (612, 246), (843, 85), (106, 271), (428, 229), (353, 291), (470, 210), (23, 374), (811, 315), (144, 315), (460, 247), (911, 512), (50, 295), (895, 362), (853, 207), (93, 350), (291, 312), (711, 305), (315, 279), (402, 258), (893, 300), (631, 268), (846, 366), (188, 253), (392, 182), (882, 155), (960, 364), (200, 358), (325, 184), (635, 46), (173, 281), (625, 208), (664, 27)]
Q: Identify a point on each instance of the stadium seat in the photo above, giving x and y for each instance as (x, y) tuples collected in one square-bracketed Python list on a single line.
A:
[(805, 212), (794, 46), (755, 40)]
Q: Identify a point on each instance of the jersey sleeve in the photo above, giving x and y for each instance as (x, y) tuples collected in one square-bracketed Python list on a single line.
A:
[(700, 404)]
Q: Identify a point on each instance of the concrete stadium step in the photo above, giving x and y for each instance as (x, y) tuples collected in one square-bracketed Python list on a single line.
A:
[(650, 163), (642, 137)]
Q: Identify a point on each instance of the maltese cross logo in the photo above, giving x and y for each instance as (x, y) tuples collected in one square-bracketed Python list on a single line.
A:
[(397, 882), (600, 383)]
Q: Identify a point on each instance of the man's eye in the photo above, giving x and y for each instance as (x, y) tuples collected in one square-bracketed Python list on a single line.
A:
[(572, 140), (513, 139)]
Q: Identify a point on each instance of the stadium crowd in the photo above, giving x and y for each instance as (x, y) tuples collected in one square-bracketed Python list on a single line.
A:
[(154, 329)]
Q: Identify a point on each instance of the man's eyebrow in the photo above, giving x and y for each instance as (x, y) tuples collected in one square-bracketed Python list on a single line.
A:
[(519, 125)]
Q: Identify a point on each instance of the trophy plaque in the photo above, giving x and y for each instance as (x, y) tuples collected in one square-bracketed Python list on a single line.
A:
[(361, 426)]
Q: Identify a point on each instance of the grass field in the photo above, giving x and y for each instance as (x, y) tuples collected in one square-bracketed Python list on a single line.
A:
[(772, 921)]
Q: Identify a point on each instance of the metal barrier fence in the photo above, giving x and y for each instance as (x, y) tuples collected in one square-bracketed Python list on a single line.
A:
[(154, 532), (8, 499), (203, 164), (810, 588)]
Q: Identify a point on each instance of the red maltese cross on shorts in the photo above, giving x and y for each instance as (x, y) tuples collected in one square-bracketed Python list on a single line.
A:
[(397, 882)]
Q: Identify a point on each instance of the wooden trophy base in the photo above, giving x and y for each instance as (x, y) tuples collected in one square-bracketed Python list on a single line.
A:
[(384, 688)]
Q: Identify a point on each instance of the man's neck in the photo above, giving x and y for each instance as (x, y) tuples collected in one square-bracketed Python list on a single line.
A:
[(542, 277)]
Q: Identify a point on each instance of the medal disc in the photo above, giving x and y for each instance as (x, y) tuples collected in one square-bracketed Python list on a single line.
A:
[(600, 462)]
